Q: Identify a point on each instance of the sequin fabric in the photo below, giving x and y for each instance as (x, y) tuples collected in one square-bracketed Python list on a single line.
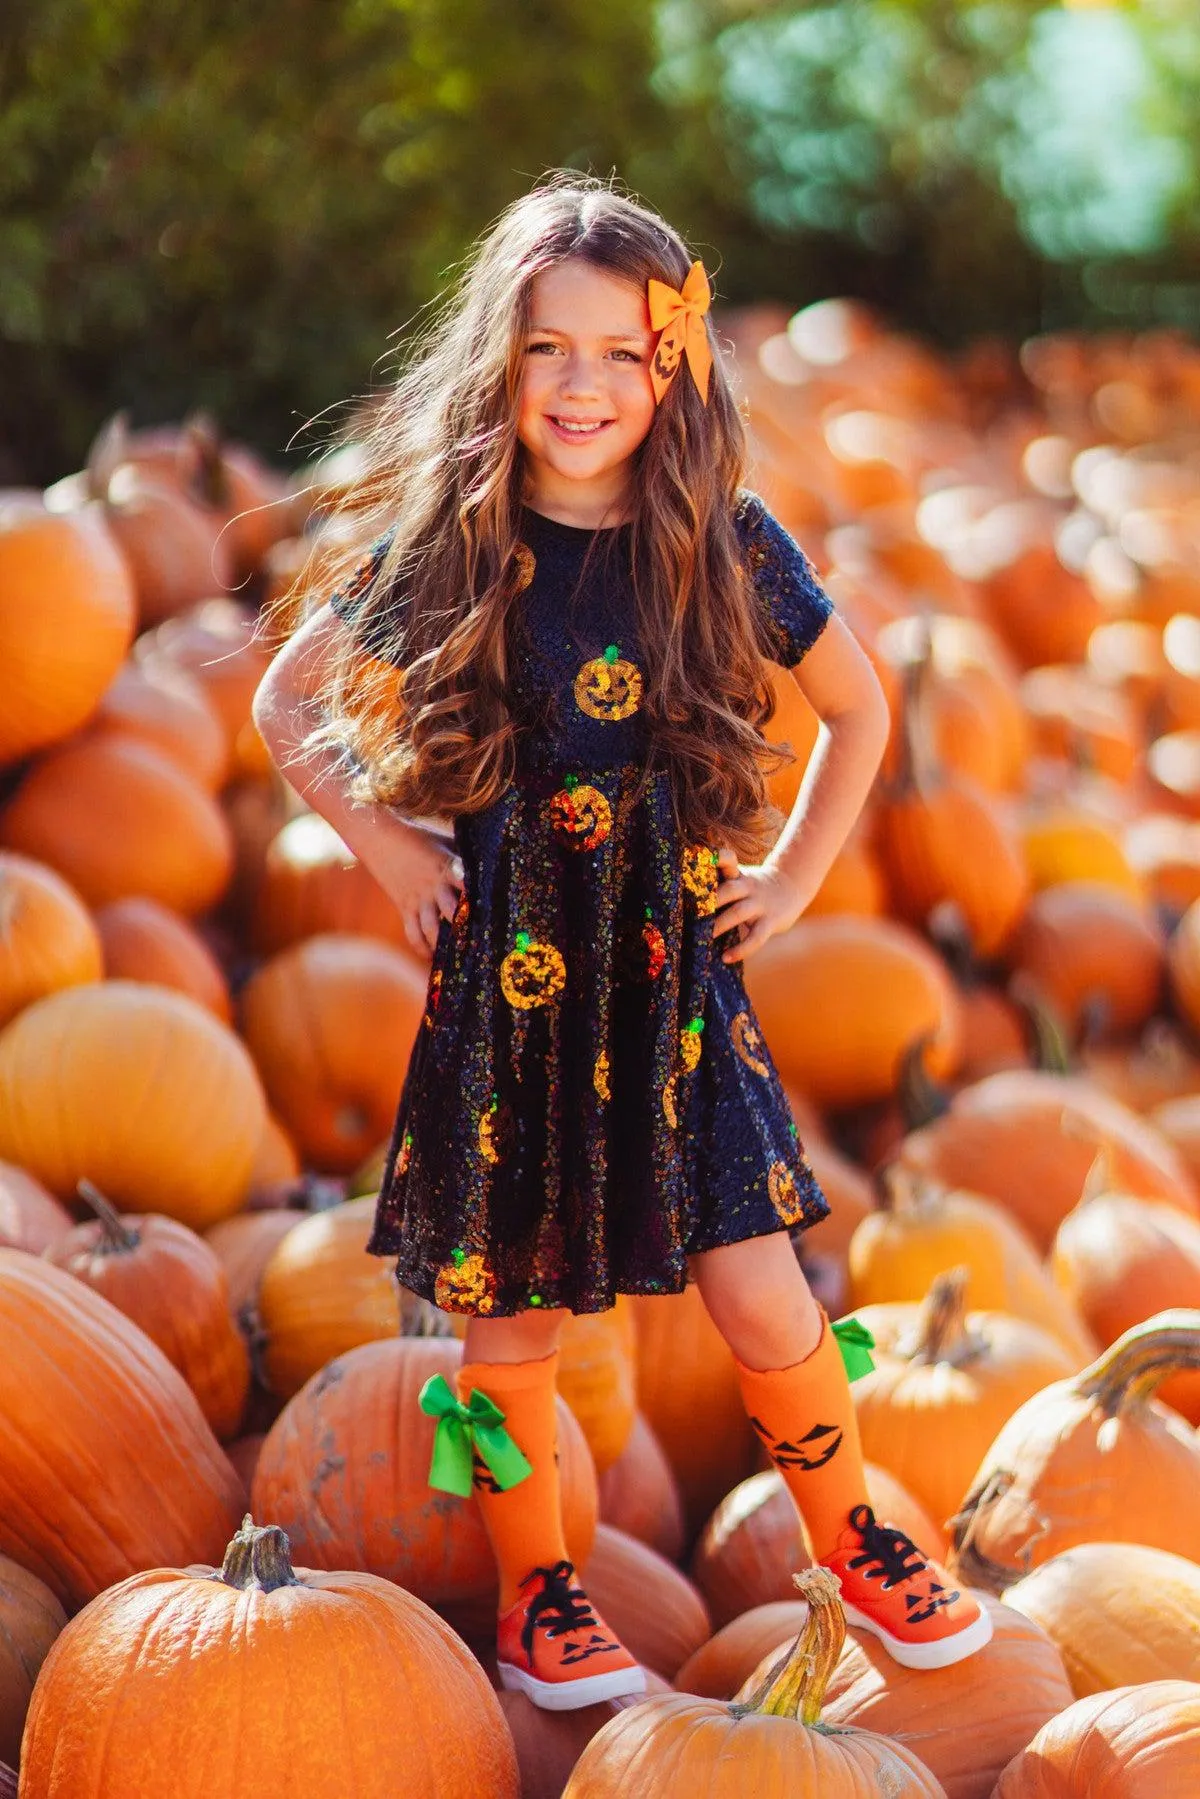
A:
[(589, 1099)]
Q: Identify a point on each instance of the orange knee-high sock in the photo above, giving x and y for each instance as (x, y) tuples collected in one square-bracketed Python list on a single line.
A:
[(523, 1523), (805, 1416)]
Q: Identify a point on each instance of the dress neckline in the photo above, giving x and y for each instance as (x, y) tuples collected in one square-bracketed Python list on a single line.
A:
[(570, 533)]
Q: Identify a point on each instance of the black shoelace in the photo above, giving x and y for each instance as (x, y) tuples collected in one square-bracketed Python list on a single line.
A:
[(887, 1553), (557, 1608)]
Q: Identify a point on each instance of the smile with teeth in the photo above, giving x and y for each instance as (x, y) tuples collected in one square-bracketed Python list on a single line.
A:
[(579, 427)]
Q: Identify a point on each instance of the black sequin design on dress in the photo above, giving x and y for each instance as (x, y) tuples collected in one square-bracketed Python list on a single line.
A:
[(589, 1098)]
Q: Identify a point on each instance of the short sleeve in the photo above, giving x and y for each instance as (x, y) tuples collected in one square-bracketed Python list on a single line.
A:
[(378, 631), (795, 605)]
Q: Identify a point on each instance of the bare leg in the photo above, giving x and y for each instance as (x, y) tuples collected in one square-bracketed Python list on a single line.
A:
[(528, 1337), (759, 1300)]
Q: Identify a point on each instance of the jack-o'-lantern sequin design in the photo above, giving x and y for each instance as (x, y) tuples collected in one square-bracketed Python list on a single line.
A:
[(609, 686), (589, 1099)]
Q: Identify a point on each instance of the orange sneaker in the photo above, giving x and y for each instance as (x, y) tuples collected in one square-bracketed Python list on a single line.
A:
[(907, 1601), (554, 1647)]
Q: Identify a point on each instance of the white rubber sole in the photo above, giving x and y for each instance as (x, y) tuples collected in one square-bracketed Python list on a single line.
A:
[(572, 1695), (943, 1653)]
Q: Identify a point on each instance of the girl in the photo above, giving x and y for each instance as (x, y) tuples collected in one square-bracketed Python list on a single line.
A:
[(580, 595)]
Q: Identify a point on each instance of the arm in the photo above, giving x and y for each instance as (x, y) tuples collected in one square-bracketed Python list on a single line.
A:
[(837, 680), (415, 873)]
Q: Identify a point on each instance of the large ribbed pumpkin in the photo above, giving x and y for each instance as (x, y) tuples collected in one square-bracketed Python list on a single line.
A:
[(67, 613), (345, 1468), (1120, 1613), (47, 937), (1084, 943), (244, 1244), (965, 1722), (139, 1089), (876, 987), (116, 816), (1132, 1743), (331, 1024), (943, 1383), (770, 1740), (109, 1466), (1091, 1459), (640, 1495), (171, 1284), (257, 1678), (654, 1609), (30, 1619)]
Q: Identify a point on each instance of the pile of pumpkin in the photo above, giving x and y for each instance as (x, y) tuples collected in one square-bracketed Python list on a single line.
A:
[(205, 1012)]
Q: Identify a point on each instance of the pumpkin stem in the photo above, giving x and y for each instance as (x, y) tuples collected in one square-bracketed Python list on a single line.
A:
[(941, 1333), (968, 1563), (1129, 1370), (921, 1099), (1045, 1030), (794, 1686), (947, 926), (1101, 1177), (117, 1238), (259, 1556)]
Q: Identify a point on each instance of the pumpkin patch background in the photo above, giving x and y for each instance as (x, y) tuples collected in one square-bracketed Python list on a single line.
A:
[(970, 365)]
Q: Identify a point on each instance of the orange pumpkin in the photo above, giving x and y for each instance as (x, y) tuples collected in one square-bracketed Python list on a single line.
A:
[(334, 1083), (965, 1722), (639, 1493), (1119, 1260), (99, 1382), (171, 1283), (1119, 1613), (30, 1619), (674, 1331), (116, 817), (943, 1384), (343, 1655), (154, 699), (1081, 943), (925, 1228), (139, 1089), (768, 1740), (67, 614), (352, 1488), (1091, 1459), (312, 883), (596, 1378), (244, 1244), (875, 986), (47, 938), (320, 1294), (143, 941), (1149, 1734), (1027, 1140)]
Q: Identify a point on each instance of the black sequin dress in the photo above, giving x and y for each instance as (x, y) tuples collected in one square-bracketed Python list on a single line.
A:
[(589, 1098)]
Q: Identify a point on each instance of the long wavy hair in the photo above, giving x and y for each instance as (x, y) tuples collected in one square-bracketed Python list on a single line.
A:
[(435, 735)]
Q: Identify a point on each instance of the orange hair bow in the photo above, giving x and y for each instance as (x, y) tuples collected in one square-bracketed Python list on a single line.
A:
[(678, 314)]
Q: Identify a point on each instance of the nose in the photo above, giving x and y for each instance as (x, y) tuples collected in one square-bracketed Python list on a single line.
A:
[(580, 375)]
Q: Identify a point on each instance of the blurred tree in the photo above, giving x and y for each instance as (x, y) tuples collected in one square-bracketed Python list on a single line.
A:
[(236, 204)]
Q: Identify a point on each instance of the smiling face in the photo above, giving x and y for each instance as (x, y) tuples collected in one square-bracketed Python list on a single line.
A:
[(586, 397)]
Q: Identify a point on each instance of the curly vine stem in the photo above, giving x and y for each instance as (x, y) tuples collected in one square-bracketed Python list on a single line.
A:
[(1131, 1368), (258, 1556), (117, 1237), (794, 1686)]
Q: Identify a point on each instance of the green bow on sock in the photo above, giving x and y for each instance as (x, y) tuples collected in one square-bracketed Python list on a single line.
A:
[(856, 1343), (461, 1430)]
